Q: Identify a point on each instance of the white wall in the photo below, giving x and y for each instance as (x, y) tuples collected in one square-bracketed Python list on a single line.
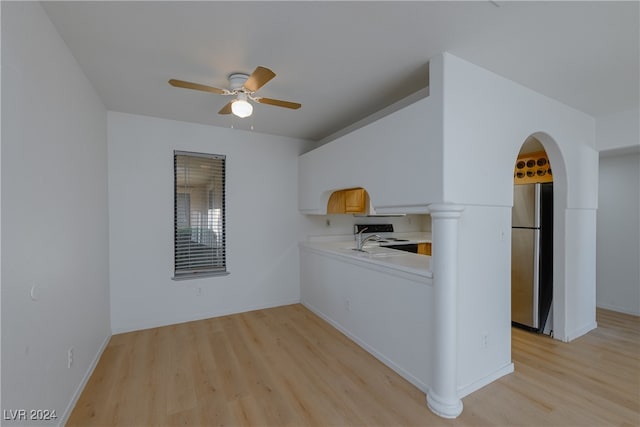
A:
[(375, 157), (470, 131), (54, 216), (618, 131), (484, 296), (487, 118), (618, 238), (262, 222)]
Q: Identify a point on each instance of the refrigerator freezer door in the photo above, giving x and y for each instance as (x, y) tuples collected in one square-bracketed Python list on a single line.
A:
[(525, 205), (524, 276)]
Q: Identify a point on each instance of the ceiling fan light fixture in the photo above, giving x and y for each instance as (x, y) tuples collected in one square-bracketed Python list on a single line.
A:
[(242, 87), (241, 107)]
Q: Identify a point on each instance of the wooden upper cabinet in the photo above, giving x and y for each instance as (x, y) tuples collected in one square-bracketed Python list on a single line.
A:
[(336, 203), (350, 201), (354, 200)]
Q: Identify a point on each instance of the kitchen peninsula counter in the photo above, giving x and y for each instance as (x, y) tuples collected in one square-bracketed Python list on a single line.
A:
[(381, 299), (376, 255)]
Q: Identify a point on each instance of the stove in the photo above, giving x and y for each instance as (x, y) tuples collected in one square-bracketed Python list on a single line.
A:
[(373, 228), (387, 242), (378, 228)]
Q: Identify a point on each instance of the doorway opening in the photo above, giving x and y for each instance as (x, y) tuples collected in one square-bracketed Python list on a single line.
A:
[(532, 240)]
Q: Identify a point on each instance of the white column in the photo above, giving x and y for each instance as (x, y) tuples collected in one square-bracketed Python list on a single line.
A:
[(442, 396)]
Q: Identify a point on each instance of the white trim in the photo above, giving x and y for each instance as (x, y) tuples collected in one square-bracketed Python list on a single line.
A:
[(85, 379), (442, 408), (381, 357), (200, 316), (580, 332), (486, 380), (618, 309)]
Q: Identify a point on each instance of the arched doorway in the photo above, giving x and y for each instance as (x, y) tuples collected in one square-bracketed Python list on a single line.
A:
[(540, 167), (532, 240)]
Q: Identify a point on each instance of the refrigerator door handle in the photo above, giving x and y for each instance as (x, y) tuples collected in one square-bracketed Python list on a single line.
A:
[(536, 217), (536, 277)]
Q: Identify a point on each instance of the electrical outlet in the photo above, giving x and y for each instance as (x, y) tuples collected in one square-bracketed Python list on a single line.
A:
[(328, 223), (70, 357), (347, 305), (198, 291), (485, 340)]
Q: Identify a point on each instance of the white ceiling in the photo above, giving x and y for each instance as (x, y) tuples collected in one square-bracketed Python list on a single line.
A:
[(345, 60)]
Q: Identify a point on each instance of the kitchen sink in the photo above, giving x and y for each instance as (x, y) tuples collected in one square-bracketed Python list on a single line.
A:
[(375, 252)]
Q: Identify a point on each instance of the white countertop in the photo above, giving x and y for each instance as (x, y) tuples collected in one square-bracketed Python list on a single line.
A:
[(376, 254)]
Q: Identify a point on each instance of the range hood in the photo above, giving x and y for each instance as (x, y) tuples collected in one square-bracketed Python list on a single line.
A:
[(371, 212)]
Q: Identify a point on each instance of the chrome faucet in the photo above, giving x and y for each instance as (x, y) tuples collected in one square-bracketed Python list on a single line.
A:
[(360, 243)]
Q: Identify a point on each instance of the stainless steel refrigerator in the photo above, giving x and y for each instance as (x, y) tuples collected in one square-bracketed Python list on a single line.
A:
[(531, 255)]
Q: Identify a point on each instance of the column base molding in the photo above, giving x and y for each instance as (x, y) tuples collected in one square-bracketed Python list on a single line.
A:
[(443, 408)]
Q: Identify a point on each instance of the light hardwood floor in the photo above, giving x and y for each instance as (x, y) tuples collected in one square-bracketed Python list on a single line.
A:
[(287, 367)]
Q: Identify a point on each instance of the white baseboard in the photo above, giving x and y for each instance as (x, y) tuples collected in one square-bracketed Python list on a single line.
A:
[(618, 309), (199, 316), (462, 391), (477, 385), (579, 332), (76, 395), (65, 417), (375, 353)]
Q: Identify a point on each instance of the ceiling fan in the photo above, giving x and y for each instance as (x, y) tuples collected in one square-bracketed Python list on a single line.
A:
[(243, 87)]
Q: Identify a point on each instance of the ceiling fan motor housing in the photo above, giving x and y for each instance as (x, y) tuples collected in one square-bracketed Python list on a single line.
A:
[(236, 80), (242, 86)]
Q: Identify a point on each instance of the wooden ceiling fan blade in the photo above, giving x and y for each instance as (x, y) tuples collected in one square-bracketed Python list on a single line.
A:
[(258, 78), (226, 109), (197, 86), (279, 103)]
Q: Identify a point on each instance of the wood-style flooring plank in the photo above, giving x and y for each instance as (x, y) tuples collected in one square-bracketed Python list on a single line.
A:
[(287, 367)]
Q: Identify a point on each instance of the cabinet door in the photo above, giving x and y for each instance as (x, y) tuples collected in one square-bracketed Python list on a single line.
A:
[(336, 203), (424, 249), (354, 200)]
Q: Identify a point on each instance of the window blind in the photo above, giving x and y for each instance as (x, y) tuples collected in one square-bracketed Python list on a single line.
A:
[(199, 214)]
